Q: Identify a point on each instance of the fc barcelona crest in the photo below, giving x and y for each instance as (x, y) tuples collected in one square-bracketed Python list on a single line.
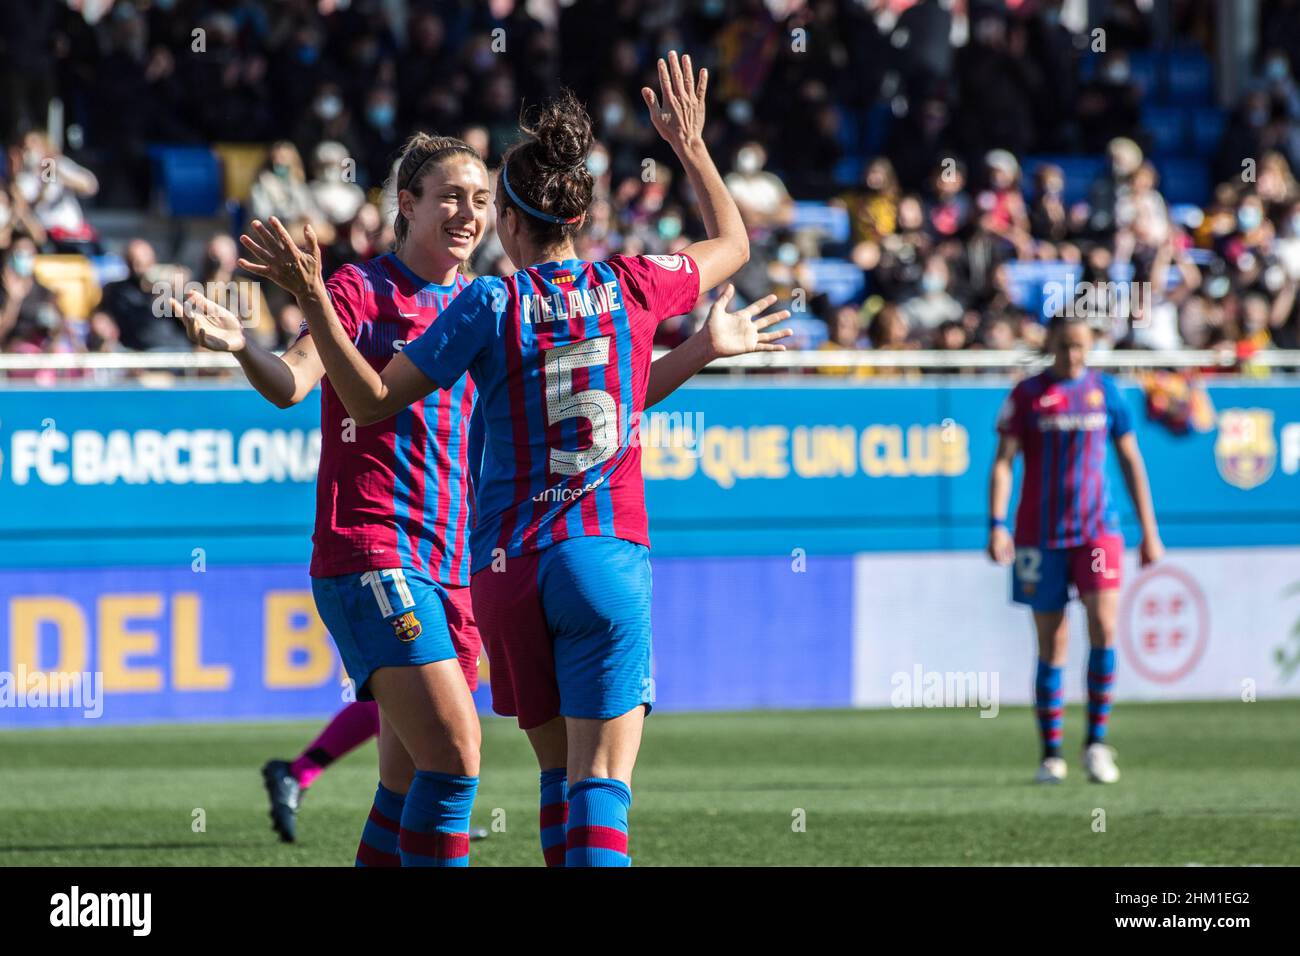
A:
[(407, 626), (1245, 450)]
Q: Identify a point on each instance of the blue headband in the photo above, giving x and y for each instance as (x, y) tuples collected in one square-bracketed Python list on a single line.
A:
[(544, 216)]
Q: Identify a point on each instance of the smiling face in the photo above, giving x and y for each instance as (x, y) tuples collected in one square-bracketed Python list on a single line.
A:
[(449, 216)]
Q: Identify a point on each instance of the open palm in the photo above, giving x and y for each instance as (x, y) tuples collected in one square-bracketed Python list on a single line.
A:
[(736, 333), (210, 325), (677, 112)]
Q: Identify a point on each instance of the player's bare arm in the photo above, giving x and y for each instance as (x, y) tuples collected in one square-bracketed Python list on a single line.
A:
[(677, 113), (1000, 546), (283, 380), (724, 333), (1134, 469), (367, 395)]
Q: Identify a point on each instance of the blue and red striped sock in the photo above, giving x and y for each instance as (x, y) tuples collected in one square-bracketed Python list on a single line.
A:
[(597, 830), (554, 815), (378, 845), (1101, 674), (435, 820), (1049, 701)]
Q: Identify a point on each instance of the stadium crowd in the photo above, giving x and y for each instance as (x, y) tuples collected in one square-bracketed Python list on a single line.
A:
[(922, 162)]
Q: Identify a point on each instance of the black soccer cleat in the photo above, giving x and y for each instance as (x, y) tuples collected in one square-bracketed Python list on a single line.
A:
[(282, 787)]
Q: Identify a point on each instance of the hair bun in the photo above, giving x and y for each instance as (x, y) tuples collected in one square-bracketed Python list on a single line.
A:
[(562, 130)]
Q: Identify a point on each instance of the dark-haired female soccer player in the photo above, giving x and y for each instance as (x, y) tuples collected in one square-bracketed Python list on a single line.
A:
[(1067, 530), (561, 353)]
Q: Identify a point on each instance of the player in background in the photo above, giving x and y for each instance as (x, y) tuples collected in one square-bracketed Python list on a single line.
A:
[(390, 565), (561, 351), (1067, 530), (287, 781)]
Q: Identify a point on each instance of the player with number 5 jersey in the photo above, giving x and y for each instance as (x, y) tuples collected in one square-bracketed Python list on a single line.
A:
[(560, 351)]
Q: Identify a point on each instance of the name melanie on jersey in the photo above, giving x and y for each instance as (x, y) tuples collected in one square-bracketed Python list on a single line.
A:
[(572, 303)]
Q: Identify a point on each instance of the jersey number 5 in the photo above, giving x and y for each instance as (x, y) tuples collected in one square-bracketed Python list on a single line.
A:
[(593, 404)]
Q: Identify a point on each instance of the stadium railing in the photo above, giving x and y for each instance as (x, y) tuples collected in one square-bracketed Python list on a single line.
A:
[(814, 360)]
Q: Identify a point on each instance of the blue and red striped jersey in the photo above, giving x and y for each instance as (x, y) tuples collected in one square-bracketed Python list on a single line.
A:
[(1063, 426), (395, 493), (561, 355)]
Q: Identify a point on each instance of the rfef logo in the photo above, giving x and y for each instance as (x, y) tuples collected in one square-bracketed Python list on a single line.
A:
[(1164, 624)]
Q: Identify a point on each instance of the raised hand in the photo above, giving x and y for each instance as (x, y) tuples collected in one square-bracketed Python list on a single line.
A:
[(678, 112), (209, 325), (278, 258), (735, 333)]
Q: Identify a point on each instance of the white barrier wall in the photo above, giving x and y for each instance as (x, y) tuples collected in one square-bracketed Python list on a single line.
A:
[(1203, 624)]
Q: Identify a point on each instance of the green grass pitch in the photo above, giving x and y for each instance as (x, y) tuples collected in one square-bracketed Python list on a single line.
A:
[(1205, 783)]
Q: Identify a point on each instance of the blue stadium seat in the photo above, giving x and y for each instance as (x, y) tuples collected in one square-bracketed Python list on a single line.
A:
[(876, 132), (841, 281), (1184, 180), (187, 179), (1207, 126), (831, 220), (1080, 171), (849, 134), (109, 268), (1168, 128), (1186, 214), (1029, 281), (1189, 77), (809, 333), (1145, 73), (848, 171)]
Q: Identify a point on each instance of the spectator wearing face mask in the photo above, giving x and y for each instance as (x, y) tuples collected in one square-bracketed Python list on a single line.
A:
[(932, 304), (50, 184), (334, 189), (1276, 80), (327, 118), (281, 190), (16, 217), (762, 198), (1109, 105), (1104, 195), (380, 136), (24, 302)]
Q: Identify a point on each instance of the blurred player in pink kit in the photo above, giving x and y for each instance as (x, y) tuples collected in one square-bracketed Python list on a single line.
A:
[(1067, 529), (561, 351)]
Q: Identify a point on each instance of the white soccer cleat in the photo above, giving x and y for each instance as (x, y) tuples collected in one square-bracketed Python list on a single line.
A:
[(1099, 761), (1051, 770)]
